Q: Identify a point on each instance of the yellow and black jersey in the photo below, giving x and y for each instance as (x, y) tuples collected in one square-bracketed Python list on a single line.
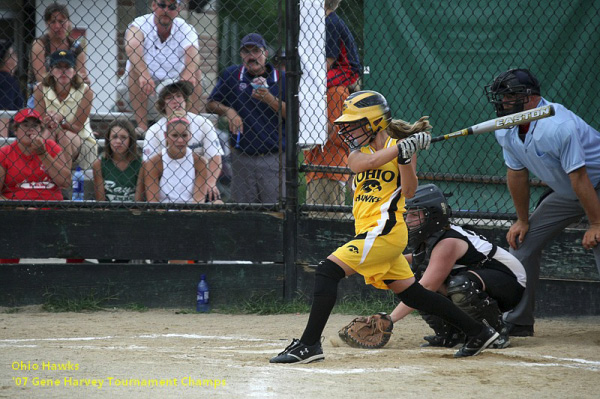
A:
[(378, 199), (376, 250)]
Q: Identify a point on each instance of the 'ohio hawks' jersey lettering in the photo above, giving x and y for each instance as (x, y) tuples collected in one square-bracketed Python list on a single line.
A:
[(377, 194)]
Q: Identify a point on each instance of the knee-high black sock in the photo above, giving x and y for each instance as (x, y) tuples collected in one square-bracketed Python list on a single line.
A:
[(431, 302), (327, 277)]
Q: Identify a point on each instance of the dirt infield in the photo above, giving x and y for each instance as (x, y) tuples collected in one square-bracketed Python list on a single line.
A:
[(119, 354)]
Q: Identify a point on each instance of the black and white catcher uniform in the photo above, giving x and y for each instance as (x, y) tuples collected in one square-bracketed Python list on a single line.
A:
[(502, 276), (485, 282)]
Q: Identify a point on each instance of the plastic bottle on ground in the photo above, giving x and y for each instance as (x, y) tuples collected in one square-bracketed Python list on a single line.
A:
[(78, 181), (202, 296)]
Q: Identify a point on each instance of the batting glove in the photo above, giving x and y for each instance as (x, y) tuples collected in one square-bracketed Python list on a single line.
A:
[(410, 145)]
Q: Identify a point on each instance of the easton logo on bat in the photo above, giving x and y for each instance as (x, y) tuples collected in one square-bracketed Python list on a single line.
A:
[(524, 116)]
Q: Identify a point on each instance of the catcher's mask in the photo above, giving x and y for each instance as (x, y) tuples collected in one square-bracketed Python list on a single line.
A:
[(511, 90), (365, 113), (426, 213)]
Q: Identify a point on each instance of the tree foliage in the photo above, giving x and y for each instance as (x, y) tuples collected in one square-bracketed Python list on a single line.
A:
[(267, 17)]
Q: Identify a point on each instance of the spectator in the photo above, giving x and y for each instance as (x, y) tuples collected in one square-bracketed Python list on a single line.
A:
[(343, 68), (160, 46), (32, 168), (247, 95), (177, 174), (173, 101), (58, 26), (65, 102), (564, 154), (11, 97), (117, 175)]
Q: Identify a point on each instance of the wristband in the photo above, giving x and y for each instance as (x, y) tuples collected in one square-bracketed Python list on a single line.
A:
[(403, 161)]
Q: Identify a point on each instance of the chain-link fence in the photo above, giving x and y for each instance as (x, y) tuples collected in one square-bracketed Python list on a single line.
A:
[(220, 135)]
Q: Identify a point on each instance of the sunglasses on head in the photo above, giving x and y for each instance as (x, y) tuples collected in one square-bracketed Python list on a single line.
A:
[(172, 6)]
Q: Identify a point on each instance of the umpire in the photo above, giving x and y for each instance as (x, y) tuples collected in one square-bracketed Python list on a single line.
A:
[(564, 152)]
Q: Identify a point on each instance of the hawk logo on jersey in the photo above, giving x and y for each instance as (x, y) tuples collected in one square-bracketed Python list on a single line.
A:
[(353, 249), (371, 185)]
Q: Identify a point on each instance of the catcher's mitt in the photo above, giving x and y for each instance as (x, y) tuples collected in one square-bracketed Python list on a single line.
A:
[(371, 332)]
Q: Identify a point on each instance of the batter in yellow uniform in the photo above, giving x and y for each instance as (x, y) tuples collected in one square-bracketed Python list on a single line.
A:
[(384, 176), (381, 235)]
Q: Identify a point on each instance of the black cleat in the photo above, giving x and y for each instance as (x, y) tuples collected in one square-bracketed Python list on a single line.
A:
[(503, 340), (476, 344), (518, 330), (297, 352), (439, 341)]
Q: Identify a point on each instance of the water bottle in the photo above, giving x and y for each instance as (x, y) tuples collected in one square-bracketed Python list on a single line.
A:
[(78, 180), (202, 304)]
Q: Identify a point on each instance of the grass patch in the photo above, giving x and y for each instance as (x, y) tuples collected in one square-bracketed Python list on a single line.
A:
[(136, 307), (12, 310), (259, 304), (60, 300), (185, 311), (63, 302), (366, 307), (268, 304)]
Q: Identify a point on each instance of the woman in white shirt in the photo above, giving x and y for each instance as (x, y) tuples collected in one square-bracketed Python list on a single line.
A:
[(173, 101), (176, 174)]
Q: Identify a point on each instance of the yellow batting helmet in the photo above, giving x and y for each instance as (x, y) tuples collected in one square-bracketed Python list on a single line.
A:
[(365, 113)]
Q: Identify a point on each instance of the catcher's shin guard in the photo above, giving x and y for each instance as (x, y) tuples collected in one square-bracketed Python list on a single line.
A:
[(466, 292), (446, 335)]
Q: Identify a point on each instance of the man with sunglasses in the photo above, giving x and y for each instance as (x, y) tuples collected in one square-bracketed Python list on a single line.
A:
[(160, 46)]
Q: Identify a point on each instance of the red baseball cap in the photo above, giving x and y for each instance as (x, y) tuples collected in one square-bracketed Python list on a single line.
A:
[(27, 113)]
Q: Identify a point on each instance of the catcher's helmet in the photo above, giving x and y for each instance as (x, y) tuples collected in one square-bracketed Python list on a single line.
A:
[(365, 113), (519, 84), (426, 213)]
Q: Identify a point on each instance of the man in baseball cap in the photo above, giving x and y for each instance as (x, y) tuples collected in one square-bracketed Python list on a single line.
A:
[(253, 39), (248, 96), (27, 113)]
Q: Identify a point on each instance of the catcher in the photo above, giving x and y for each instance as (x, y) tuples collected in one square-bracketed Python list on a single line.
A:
[(480, 278), (384, 177)]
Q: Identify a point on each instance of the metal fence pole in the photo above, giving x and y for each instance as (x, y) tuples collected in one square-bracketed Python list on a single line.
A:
[(291, 154)]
